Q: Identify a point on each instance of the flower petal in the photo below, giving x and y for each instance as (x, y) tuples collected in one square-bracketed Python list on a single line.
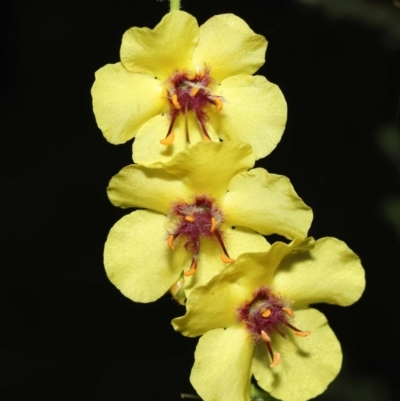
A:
[(330, 272), (123, 101), (308, 364), (222, 365), (237, 241), (138, 186), (160, 51), (254, 111), (237, 51), (147, 148), (214, 305), (137, 258), (208, 167), (266, 203)]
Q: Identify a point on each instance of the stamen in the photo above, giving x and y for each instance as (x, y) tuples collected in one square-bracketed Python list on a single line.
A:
[(288, 311), (213, 225), (206, 137), (298, 332), (192, 269), (266, 313), (218, 104), (186, 125), (265, 337), (302, 333), (226, 254), (276, 360), (189, 218), (226, 259), (194, 91), (175, 101), (170, 242), (170, 135), (168, 140)]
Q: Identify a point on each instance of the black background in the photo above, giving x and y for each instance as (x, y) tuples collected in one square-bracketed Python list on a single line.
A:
[(66, 332)]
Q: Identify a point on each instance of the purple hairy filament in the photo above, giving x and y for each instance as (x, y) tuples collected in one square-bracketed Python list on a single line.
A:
[(194, 221), (190, 94), (267, 314)]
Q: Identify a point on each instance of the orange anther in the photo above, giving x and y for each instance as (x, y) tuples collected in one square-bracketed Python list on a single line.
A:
[(206, 138), (218, 104), (170, 242), (302, 333), (194, 91), (226, 259), (288, 311), (213, 225), (189, 218), (266, 313), (265, 337), (192, 269), (175, 101), (168, 140), (277, 359)]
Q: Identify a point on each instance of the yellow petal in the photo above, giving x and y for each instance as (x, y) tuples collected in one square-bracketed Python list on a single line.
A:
[(308, 364), (208, 167), (147, 148), (237, 241), (137, 258), (123, 101), (160, 51), (222, 365), (229, 47), (138, 186), (254, 112), (266, 203), (330, 272), (214, 305)]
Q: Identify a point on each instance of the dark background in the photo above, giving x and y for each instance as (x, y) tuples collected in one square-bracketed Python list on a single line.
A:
[(66, 333)]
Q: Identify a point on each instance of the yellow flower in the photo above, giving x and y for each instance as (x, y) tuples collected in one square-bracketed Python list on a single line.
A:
[(257, 321), (192, 202), (189, 82)]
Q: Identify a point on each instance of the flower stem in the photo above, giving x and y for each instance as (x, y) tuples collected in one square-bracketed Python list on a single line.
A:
[(174, 5)]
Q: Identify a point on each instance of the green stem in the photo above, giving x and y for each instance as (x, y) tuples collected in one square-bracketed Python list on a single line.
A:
[(174, 5)]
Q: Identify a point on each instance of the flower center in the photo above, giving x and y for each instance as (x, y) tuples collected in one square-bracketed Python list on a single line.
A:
[(267, 314), (187, 93), (193, 221)]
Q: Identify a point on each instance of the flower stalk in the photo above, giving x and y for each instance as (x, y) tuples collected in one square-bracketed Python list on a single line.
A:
[(174, 5)]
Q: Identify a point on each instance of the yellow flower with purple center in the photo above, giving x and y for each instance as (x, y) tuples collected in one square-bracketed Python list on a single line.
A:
[(256, 321), (181, 83), (192, 202)]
